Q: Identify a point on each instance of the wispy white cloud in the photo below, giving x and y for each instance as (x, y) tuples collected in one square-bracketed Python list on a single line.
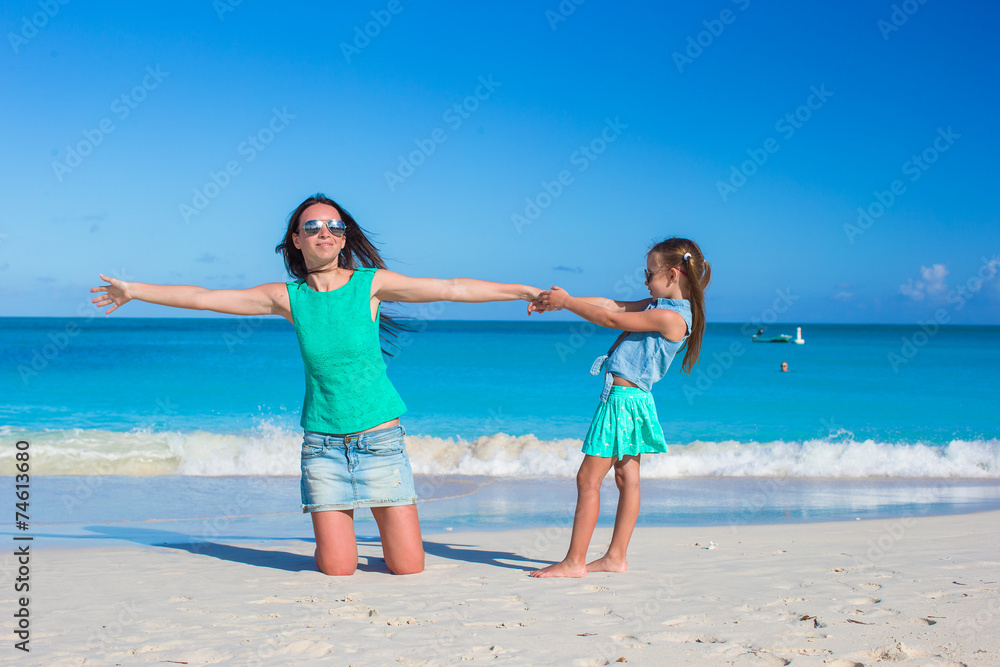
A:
[(930, 285), (79, 218), (844, 292)]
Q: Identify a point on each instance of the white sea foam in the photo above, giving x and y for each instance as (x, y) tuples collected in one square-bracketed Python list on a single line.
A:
[(274, 450)]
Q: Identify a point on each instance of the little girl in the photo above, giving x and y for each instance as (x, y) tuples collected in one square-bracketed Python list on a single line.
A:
[(625, 425)]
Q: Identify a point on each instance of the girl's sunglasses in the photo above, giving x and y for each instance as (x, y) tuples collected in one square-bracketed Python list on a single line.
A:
[(650, 274), (313, 227)]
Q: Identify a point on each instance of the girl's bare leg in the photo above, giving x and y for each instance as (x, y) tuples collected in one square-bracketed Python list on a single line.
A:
[(402, 545), (336, 545), (627, 479), (588, 507)]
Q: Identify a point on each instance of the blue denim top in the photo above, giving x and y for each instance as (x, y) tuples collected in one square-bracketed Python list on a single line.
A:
[(643, 357)]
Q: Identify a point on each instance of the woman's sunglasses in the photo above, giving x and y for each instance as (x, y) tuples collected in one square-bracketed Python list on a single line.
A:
[(313, 227)]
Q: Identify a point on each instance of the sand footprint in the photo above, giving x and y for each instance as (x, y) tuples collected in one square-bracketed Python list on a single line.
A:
[(684, 638), (841, 662), (896, 652), (354, 611), (759, 660), (685, 619), (306, 649), (785, 601), (587, 590), (629, 641), (403, 620)]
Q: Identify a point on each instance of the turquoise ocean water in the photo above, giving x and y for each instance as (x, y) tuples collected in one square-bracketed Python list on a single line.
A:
[(156, 403)]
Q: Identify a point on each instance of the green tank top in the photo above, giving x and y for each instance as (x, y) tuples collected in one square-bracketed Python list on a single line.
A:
[(347, 389)]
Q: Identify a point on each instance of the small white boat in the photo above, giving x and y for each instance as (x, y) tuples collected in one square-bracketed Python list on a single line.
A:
[(780, 338)]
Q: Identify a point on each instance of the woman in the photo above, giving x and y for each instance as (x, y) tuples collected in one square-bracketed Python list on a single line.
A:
[(352, 453)]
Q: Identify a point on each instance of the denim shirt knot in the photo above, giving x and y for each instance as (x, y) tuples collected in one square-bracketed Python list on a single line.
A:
[(643, 357)]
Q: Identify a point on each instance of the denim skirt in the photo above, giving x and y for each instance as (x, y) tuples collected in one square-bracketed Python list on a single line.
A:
[(369, 469)]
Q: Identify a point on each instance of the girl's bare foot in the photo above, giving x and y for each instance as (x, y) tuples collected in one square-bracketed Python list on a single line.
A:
[(561, 569), (607, 564)]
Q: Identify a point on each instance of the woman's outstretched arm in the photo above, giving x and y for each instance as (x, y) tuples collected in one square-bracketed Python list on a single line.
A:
[(670, 324), (392, 286), (267, 299)]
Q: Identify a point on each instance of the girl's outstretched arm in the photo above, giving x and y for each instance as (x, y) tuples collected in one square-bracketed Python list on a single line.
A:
[(267, 299), (667, 322), (615, 305), (392, 286)]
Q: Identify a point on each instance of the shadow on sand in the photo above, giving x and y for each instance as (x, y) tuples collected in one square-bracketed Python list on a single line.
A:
[(293, 562)]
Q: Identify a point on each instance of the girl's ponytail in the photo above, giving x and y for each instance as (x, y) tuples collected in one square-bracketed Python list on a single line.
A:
[(685, 255)]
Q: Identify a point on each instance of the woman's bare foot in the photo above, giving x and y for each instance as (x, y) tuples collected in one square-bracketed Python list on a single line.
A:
[(561, 569), (607, 564)]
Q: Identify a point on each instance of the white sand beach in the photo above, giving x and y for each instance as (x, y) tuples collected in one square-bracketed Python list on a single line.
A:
[(908, 591)]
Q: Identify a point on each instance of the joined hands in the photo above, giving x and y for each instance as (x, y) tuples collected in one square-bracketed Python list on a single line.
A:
[(553, 299)]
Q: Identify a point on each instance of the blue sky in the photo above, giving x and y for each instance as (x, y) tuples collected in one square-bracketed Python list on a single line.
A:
[(536, 142)]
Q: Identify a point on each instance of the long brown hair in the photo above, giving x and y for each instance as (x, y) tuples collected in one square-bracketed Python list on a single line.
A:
[(671, 254), (358, 251)]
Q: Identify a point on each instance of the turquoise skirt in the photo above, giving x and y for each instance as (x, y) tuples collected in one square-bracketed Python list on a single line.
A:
[(625, 425)]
